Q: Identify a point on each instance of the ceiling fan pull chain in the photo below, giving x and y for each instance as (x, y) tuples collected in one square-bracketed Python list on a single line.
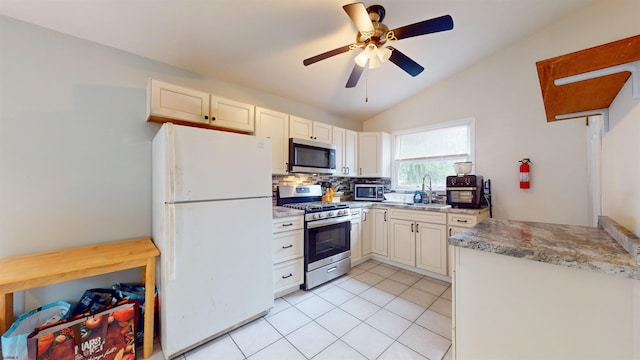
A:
[(366, 88)]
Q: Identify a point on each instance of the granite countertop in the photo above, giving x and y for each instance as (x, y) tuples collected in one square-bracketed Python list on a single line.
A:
[(281, 211), (609, 248), (420, 207)]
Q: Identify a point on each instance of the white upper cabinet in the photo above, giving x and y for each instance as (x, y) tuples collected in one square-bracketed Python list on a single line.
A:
[(168, 102), (173, 102), (374, 154), (346, 143), (310, 130), (275, 125), (231, 114)]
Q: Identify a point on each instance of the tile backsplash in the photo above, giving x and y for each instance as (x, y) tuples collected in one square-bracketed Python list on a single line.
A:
[(339, 183)]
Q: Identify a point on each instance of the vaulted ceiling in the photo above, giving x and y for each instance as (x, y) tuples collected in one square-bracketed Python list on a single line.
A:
[(261, 44)]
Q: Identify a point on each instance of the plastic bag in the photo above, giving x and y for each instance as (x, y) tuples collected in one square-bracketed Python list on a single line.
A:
[(136, 292), (96, 299), (14, 341), (108, 334)]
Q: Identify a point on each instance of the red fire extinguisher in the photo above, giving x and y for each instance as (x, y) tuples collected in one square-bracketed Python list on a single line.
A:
[(524, 173)]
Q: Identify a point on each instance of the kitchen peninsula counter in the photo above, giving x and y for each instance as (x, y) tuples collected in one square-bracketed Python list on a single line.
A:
[(580, 247), (526, 290)]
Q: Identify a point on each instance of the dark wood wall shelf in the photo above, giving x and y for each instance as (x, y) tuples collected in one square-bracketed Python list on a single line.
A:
[(586, 95)]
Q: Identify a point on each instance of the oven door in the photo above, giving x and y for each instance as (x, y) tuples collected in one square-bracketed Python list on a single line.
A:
[(463, 197), (326, 241)]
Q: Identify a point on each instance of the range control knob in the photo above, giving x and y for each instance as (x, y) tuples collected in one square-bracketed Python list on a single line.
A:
[(331, 214), (314, 216), (340, 212), (320, 215)]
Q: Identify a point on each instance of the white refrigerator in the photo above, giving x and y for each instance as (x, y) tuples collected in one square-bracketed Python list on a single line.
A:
[(211, 216)]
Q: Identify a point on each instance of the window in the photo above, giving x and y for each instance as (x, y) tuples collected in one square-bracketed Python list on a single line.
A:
[(431, 150)]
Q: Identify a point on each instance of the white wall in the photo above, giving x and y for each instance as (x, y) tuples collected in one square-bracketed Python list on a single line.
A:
[(75, 150), (621, 162), (503, 93)]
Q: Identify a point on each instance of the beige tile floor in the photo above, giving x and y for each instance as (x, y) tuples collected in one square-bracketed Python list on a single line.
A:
[(377, 311)]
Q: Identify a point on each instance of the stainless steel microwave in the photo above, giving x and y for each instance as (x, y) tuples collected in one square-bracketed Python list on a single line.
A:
[(368, 192), (311, 157)]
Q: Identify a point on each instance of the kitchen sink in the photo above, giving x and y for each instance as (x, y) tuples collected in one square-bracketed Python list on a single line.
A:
[(422, 206), (427, 206)]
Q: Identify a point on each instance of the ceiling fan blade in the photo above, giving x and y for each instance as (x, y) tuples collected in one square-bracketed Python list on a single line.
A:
[(442, 23), (404, 62), (355, 76), (358, 14), (325, 55)]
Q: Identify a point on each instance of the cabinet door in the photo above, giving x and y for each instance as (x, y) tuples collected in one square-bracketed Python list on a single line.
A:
[(455, 230), (351, 153), (175, 102), (356, 240), (402, 241), (275, 125), (300, 128), (322, 132), (231, 114), (431, 247), (338, 140), (380, 228), (374, 159), (367, 232)]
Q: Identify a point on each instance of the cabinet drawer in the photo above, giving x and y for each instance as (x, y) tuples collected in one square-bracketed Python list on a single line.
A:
[(288, 245), (288, 223), (419, 215), (462, 220), (287, 274)]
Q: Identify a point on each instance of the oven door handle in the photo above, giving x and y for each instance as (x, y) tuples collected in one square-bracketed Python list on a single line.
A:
[(325, 222)]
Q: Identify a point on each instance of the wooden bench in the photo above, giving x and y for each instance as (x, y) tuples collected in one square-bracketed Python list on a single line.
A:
[(46, 268)]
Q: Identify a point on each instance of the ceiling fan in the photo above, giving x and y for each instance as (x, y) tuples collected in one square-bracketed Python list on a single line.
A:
[(373, 34)]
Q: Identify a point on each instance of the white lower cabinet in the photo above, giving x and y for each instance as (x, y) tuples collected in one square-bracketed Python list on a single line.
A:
[(402, 241), (460, 222), (356, 235), (431, 247), (379, 231), (418, 238), (366, 232), (288, 254)]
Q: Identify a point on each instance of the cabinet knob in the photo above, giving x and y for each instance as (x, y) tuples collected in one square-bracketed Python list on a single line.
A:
[(213, 118), (206, 117)]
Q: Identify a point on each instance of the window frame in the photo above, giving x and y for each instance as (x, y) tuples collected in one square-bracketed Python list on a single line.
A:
[(470, 122)]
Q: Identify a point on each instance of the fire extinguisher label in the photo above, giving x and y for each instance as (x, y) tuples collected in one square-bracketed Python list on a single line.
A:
[(524, 177)]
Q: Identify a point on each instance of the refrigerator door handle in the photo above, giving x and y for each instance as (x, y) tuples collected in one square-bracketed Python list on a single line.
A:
[(171, 163), (171, 234)]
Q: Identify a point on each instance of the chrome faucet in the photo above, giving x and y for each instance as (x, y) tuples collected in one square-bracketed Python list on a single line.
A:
[(429, 193)]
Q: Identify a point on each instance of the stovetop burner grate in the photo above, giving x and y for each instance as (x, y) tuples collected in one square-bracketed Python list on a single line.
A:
[(315, 206)]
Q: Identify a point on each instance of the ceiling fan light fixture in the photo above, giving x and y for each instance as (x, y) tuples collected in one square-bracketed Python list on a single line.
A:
[(374, 55), (384, 54), (361, 59)]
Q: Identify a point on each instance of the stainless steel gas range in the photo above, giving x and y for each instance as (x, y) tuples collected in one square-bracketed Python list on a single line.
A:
[(327, 233)]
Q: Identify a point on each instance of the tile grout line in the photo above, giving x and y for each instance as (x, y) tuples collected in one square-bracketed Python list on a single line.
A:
[(360, 272)]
